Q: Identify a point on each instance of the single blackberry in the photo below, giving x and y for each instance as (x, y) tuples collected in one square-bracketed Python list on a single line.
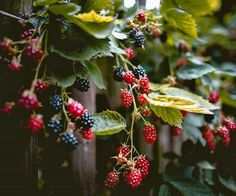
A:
[(82, 84), (85, 121), (209, 118), (69, 140), (139, 39), (118, 74), (56, 102), (139, 72), (163, 37), (133, 32), (55, 125), (23, 16)]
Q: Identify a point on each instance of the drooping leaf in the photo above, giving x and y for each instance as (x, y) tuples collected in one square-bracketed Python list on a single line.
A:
[(228, 98), (185, 94), (93, 17), (181, 20), (108, 123), (226, 69), (205, 165), (64, 9), (164, 190), (169, 115), (190, 187), (229, 183), (98, 6), (95, 73), (119, 35)]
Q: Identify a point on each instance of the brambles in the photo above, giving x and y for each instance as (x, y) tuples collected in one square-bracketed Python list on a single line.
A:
[(150, 134), (85, 121), (129, 77), (139, 72), (69, 140), (75, 108), (112, 180), (126, 98), (35, 123), (118, 74), (55, 125), (56, 102), (143, 164), (134, 179), (82, 84), (29, 100)]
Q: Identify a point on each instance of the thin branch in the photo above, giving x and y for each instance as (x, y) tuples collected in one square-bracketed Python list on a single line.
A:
[(10, 15)]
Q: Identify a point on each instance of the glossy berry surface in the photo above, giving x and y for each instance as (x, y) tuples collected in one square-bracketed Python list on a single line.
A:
[(54, 125), (144, 83), (82, 84), (33, 50), (134, 179), (143, 165), (87, 134), (229, 124), (40, 85), (129, 52), (129, 77), (141, 16), (150, 134), (142, 99), (176, 131), (112, 180), (7, 107), (126, 98), (75, 108), (139, 72), (139, 39), (15, 64), (35, 123), (123, 150), (118, 74), (56, 102), (69, 140), (27, 34), (133, 32), (214, 97), (29, 100), (85, 121)]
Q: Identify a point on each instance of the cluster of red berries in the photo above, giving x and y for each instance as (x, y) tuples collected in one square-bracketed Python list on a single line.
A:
[(132, 171)]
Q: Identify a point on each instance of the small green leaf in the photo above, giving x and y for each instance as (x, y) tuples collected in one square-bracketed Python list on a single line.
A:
[(205, 165), (119, 35), (170, 115), (108, 123), (182, 21), (95, 73), (164, 190), (45, 2), (228, 98), (64, 9), (194, 70), (229, 183), (227, 69)]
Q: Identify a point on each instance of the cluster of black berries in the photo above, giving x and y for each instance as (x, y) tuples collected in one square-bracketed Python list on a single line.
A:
[(70, 140), (138, 37)]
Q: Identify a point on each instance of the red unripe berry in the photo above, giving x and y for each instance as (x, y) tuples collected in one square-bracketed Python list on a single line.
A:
[(129, 52), (7, 107), (143, 165), (112, 180), (183, 47), (208, 134), (6, 44), (40, 85), (223, 132), (134, 179), (35, 123), (129, 77), (211, 145), (75, 108), (15, 64), (141, 16), (176, 131), (214, 97), (150, 134), (229, 124), (33, 49), (226, 141), (87, 134), (123, 150), (184, 113), (141, 99), (146, 112), (126, 98), (29, 100), (144, 83), (27, 34)]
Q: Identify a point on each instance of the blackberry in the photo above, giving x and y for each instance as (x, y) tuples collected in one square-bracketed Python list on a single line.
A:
[(139, 72), (69, 140), (163, 37), (118, 74), (139, 39), (56, 102), (209, 118), (82, 84), (85, 121), (55, 125), (133, 32), (23, 16)]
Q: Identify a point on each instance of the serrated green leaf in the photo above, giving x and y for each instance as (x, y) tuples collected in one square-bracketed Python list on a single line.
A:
[(95, 73), (64, 9), (108, 123), (182, 21), (164, 190), (194, 70), (195, 7), (185, 94), (46, 2), (170, 115), (98, 6)]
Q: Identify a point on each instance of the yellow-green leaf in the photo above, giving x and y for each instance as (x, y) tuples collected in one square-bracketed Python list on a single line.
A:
[(182, 21), (215, 5), (92, 16)]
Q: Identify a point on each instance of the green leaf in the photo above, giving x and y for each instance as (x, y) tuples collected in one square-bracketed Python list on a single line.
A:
[(195, 7), (205, 165), (227, 69), (229, 183), (228, 98), (185, 94), (182, 21), (64, 9), (95, 73), (108, 123), (46, 2), (170, 115), (194, 70), (119, 35), (98, 5), (194, 133), (190, 187), (164, 190)]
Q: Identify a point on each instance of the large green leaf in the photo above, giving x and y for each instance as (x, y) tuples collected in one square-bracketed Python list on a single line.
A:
[(98, 5), (64, 9), (190, 187), (227, 69), (195, 69), (164, 190), (185, 94), (228, 98), (108, 123), (182, 21), (95, 73), (195, 7), (170, 115)]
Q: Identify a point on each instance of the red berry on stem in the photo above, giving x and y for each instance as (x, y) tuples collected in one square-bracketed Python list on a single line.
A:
[(35, 123), (87, 134), (208, 134), (29, 100), (33, 49), (123, 150), (15, 64), (223, 132), (141, 16), (75, 108), (144, 83), (214, 97), (129, 77), (143, 164), (146, 112), (141, 99), (126, 98), (7, 107), (150, 134), (112, 180), (134, 179), (176, 131), (211, 145), (40, 85), (129, 52), (229, 124)]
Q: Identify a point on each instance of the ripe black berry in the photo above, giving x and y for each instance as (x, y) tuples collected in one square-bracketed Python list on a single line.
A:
[(55, 125), (139, 72), (82, 84), (23, 16), (139, 39), (85, 121), (133, 32), (118, 74), (69, 140), (56, 102)]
